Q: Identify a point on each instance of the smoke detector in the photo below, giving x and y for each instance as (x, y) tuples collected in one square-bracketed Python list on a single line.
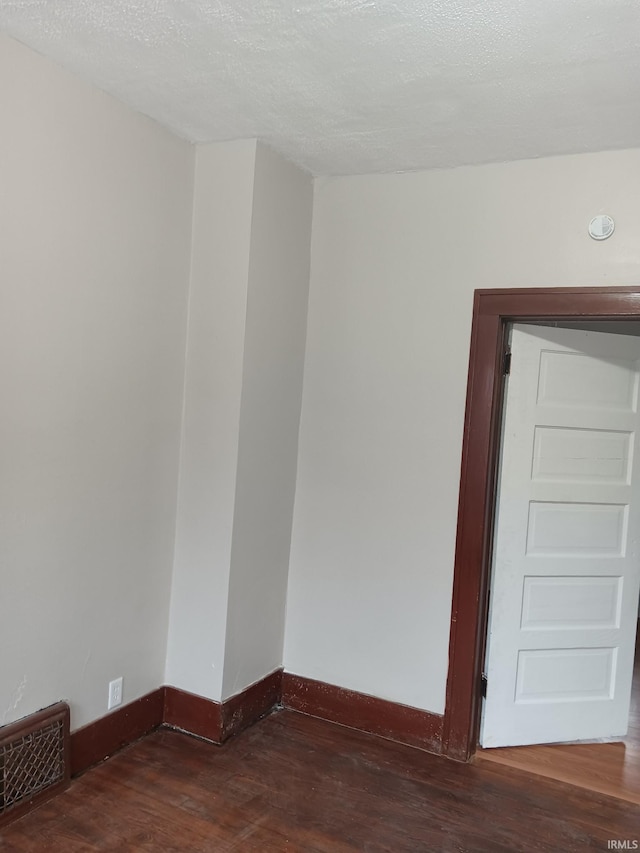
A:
[(601, 227)]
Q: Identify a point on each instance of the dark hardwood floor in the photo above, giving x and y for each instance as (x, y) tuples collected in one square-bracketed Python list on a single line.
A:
[(294, 783)]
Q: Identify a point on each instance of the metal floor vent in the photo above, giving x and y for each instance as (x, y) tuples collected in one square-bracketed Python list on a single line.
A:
[(34, 760)]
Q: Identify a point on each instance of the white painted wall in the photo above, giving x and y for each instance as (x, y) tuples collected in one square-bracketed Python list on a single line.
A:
[(95, 251), (223, 205), (95, 218), (394, 262), (243, 389), (270, 416)]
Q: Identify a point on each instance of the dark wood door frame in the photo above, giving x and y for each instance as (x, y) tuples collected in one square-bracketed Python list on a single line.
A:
[(493, 310)]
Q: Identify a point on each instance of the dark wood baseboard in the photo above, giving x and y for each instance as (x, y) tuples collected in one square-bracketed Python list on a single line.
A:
[(193, 714), (214, 721), (100, 739), (218, 721), (390, 720), (241, 711)]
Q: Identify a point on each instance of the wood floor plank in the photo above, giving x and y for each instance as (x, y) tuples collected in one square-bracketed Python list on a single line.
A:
[(295, 783)]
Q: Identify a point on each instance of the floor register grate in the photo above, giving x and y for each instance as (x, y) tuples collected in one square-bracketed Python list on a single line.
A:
[(34, 760)]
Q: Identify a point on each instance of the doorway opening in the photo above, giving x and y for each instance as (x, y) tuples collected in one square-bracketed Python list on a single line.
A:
[(493, 311), (564, 589)]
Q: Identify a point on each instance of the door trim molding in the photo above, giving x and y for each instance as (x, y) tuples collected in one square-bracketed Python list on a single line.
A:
[(492, 311)]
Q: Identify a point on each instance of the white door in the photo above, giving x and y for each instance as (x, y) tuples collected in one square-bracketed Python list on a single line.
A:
[(566, 574)]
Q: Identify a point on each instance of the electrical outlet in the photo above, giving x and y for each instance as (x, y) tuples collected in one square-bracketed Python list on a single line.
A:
[(115, 693)]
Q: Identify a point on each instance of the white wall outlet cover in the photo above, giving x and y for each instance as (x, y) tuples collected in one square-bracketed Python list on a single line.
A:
[(601, 227), (115, 693)]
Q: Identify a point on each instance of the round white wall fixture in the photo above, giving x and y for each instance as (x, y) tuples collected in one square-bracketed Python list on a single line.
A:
[(601, 227)]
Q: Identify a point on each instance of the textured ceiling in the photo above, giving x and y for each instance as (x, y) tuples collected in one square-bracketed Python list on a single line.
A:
[(354, 86)]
